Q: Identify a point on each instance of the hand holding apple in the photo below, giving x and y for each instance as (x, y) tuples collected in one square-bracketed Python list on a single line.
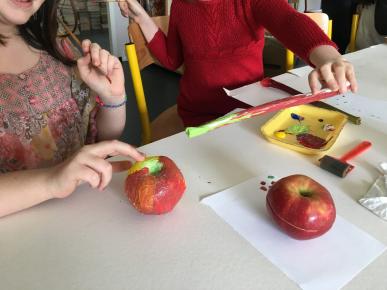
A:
[(155, 185), (303, 208)]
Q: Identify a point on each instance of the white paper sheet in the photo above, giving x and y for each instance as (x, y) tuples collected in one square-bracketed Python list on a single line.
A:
[(294, 81), (360, 106), (255, 93), (327, 262)]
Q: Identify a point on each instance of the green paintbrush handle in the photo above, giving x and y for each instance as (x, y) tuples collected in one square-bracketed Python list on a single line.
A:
[(225, 120)]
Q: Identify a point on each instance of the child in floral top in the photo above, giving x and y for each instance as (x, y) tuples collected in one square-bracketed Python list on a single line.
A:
[(48, 112)]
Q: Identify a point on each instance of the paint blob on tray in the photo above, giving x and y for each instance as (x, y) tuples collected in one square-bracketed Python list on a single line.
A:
[(305, 128)]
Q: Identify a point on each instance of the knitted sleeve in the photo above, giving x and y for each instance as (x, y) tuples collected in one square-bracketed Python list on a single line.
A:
[(295, 30), (168, 49)]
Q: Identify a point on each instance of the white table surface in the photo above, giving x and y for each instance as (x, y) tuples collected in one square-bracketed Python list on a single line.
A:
[(96, 240)]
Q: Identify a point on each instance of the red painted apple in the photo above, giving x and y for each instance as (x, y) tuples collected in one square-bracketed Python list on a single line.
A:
[(155, 185), (303, 208)]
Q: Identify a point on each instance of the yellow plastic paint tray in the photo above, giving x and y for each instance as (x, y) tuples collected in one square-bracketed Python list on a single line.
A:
[(306, 129)]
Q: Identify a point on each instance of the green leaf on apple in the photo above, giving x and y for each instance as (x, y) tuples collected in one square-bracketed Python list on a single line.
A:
[(152, 163)]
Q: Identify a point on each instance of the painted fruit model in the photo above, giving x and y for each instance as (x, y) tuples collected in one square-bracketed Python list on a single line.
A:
[(302, 208), (154, 185)]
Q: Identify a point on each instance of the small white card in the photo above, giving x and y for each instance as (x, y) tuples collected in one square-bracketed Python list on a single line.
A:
[(327, 262)]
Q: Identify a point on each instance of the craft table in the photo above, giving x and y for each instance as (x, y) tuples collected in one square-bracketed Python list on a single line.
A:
[(96, 240)]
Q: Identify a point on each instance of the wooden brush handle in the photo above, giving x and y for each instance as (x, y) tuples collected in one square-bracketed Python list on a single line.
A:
[(360, 148)]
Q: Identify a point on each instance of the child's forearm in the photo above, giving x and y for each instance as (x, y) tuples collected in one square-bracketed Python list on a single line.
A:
[(23, 189), (148, 26), (110, 122)]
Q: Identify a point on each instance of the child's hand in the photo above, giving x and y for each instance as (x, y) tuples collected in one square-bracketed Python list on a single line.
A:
[(102, 72), (131, 8), (89, 165), (332, 70)]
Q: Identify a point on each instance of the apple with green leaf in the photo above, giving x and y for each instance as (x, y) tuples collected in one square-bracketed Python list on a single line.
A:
[(302, 207), (154, 185)]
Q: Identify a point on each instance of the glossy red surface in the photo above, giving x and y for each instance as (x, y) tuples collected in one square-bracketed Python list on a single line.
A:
[(302, 208)]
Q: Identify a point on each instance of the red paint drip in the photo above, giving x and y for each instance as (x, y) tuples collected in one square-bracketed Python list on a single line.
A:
[(311, 141)]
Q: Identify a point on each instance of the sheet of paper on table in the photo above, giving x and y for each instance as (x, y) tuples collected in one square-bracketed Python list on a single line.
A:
[(327, 262)]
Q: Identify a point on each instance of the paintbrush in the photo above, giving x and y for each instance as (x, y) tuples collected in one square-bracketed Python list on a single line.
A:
[(69, 32), (269, 82), (276, 105)]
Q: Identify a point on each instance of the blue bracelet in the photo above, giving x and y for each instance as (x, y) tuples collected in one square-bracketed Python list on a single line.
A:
[(110, 106)]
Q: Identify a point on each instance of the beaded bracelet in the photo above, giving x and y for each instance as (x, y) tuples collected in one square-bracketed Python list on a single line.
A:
[(110, 106)]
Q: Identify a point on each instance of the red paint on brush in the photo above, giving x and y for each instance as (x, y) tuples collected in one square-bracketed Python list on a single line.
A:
[(283, 104)]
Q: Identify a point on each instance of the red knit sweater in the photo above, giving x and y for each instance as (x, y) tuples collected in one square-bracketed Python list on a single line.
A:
[(220, 43)]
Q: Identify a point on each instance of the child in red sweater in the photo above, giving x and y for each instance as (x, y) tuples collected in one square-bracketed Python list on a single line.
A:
[(220, 43)]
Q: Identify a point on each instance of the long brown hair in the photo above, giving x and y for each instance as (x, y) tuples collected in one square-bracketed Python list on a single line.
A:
[(41, 31)]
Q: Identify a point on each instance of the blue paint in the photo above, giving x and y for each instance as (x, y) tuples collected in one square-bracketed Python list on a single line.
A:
[(297, 117)]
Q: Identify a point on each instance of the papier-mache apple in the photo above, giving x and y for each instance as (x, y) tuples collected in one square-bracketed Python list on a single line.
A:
[(154, 185)]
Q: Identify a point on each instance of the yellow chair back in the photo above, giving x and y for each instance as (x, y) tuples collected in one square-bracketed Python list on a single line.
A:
[(323, 22), (138, 58), (354, 26), (168, 122)]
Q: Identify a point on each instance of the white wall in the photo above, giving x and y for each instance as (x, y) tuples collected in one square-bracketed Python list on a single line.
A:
[(118, 30), (168, 5), (312, 5)]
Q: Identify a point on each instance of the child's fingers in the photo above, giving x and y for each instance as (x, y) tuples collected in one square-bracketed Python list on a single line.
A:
[(350, 74), (84, 60), (104, 58), (328, 77), (339, 73), (86, 46), (119, 166), (111, 64), (87, 174), (105, 148), (99, 165), (314, 82), (124, 8), (115, 153), (95, 52)]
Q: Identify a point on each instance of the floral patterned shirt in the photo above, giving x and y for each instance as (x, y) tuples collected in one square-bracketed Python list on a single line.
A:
[(46, 114)]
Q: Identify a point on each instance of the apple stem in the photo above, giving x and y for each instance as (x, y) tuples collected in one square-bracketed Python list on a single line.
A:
[(305, 193)]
